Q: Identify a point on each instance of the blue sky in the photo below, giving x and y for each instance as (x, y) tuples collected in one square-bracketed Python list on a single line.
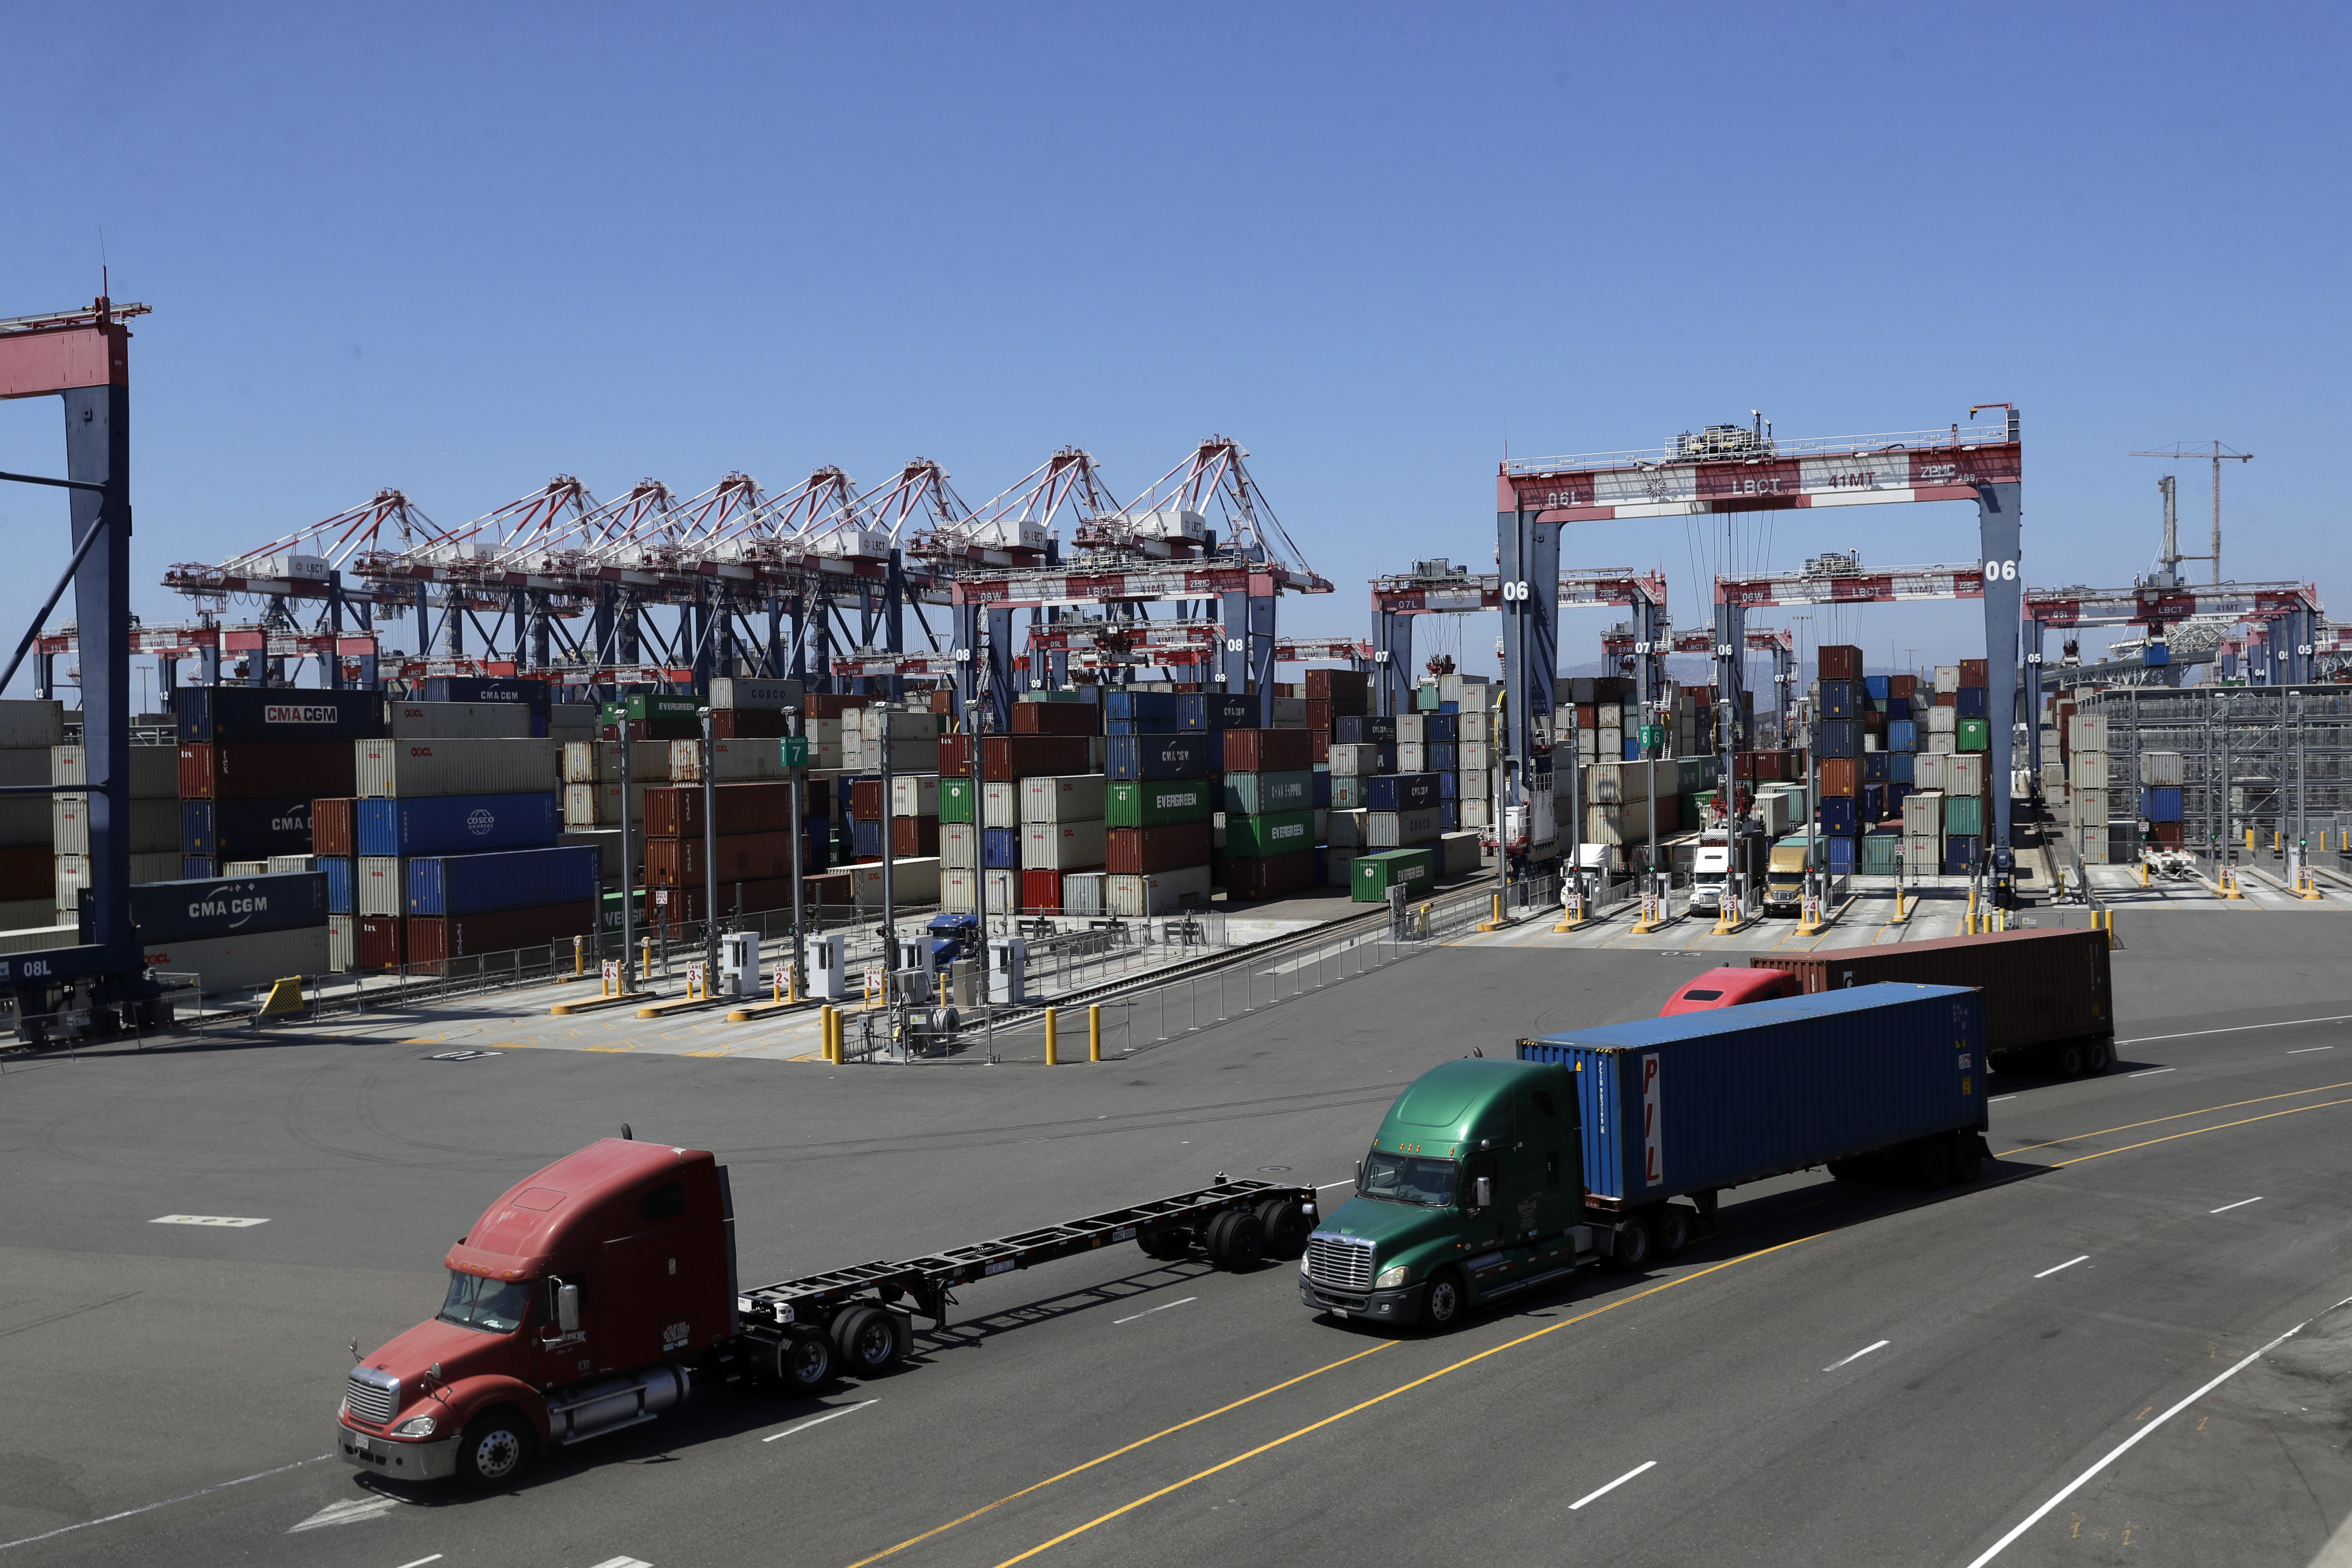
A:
[(458, 250)]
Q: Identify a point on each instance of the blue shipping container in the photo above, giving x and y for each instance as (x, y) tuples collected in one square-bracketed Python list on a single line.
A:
[(1362, 729), (1879, 687), (508, 879), (337, 869), (1702, 1102), (1144, 726), (478, 688), (1445, 756), (1960, 853), (244, 829), (1840, 814), (1216, 710), (1159, 756), (1122, 702), (1455, 707), (2161, 802), (1898, 707), (1322, 784), (866, 837), (191, 910), (1449, 815), (1901, 768), (1399, 791), (225, 715), (456, 823), (1972, 702), (1444, 727), (1842, 857), (1877, 767), (1631, 751), (999, 849), (1840, 699), (1449, 787), (194, 867), (1839, 738), (1902, 735)]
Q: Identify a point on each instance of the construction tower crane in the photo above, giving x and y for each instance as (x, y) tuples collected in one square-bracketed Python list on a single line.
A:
[(2218, 455)]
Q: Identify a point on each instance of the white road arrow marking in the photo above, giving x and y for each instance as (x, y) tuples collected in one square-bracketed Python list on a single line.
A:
[(351, 1512)]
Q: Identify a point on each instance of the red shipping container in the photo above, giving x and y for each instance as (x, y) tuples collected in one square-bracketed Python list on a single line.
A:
[(1840, 661), (739, 858), (1322, 745), (30, 872), (747, 723), (1267, 750), (750, 897), (1250, 877), (380, 942), (955, 756), (1743, 765), (2165, 832), (832, 704), (1972, 672), (1948, 699), (2037, 987), (1041, 892), (1842, 777), (1056, 718), (914, 837), (867, 799), (253, 771), (332, 829), (1318, 716), (1141, 851), (1902, 685), (675, 811), (1007, 758), (433, 940), (942, 700), (828, 890)]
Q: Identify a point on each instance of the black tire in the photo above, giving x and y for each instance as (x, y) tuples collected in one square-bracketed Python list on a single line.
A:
[(863, 1339), (2066, 1060), (1670, 1228), (498, 1447), (805, 1360), (1931, 1163), (1846, 1170), (1631, 1246), (1237, 1241), (1443, 1302), (1213, 1238), (1285, 1220), (2099, 1057), (1967, 1157), (1167, 1245)]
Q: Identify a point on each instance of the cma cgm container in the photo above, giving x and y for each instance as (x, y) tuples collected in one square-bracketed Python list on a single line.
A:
[(244, 829), (2048, 994), (456, 823), (1688, 1105), (531, 694), (231, 714), (408, 769), (517, 879), (186, 912)]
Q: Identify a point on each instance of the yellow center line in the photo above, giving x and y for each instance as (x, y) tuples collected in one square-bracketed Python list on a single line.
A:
[(2153, 1121), (1114, 1453), (2193, 1131)]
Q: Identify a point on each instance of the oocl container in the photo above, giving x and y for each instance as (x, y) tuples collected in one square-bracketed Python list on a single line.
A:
[(1161, 894), (392, 769)]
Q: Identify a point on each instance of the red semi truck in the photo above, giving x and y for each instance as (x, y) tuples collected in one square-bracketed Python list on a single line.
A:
[(593, 1294)]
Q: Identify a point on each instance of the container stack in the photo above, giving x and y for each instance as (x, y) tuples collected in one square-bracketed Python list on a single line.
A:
[(1958, 779), (1177, 772), (1268, 799), (251, 760), (1924, 814), (31, 879), (154, 835), (2086, 787), (747, 841), (1159, 843), (1063, 837), (2162, 776), (233, 933)]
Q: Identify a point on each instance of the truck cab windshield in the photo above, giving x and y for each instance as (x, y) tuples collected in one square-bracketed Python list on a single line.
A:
[(1408, 1178), (493, 1306)]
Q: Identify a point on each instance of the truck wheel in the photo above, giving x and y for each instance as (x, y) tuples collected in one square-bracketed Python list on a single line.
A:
[(495, 1449), (2099, 1057), (1670, 1228), (1237, 1241), (1285, 1220), (1967, 1157), (1630, 1253), (805, 1360), (865, 1341), (1442, 1302), (2066, 1060), (1931, 1163), (1846, 1170), (1168, 1244)]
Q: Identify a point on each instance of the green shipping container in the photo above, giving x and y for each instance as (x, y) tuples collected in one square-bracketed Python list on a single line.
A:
[(1425, 699), (1371, 875), (641, 707), (1154, 802), (1260, 794), (959, 800), (1879, 852), (1279, 833), (1972, 735), (1963, 813)]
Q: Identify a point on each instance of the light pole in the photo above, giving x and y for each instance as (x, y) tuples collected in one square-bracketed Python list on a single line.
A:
[(710, 853)]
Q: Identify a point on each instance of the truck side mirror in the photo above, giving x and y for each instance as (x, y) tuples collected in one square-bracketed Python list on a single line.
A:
[(1485, 1189), (567, 1308)]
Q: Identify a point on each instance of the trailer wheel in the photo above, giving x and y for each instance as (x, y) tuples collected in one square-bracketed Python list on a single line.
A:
[(1670, 1228), (1443, 1302), (2066, 1059), (1285, 1220), (1846, 1170), (1168, 1244), (867, 1343), (2099, 1057), (1931, 1163), (1237, 1241), (1630, 1254), (495, 1449), (1967, 1157), (805, 1360)]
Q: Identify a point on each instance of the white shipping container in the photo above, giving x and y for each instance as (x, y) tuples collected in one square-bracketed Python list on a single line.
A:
[(72, 874), (912, 881), (598, 762), (1083, 893), (154, 824), (1942, 720), (1161, 894), (1062, 846), (32, 722), (409, 769), (588, 806), (2088, 770), (1403, 829), (380, 884), (1941, 746), (2090, 807), (2163, 770), (740, 762), (1478, 726), (959, 891), (37, 937), (1003, 886), (959, 847), (1478, 756), (1217, 830), (1923, 856), (1354, 761), (291, 863), (1457, 853), (342, 944), (244, 963), (1346, 829), (454, 721), (1964, 773), (860, 754), (1948, 678), (1929, 770), (1412, 727), (1477, 813), (1071, 797), (2091, 843), (1413, 757), (1000, 804), (904, 726), (2087, 732), (1338, 867), (1617, 783), (914, 794), (761, 694), (154, 770), (1923, 814)]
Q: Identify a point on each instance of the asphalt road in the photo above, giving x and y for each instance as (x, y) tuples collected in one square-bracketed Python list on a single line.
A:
[(1841, 1375)]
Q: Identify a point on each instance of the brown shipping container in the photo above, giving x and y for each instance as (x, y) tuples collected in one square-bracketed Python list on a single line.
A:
[(1267, 750), (1319, 715), (2040, 987), (331, 826), (1972, 672), (250, 771), (867, 800), (1056, 718), (1140, 851), (2165, 832), (1041, 892), (1322, 746), (380, 942), (1902, 685), (685, 906), (675, 811), (1840, 661), (826, 890), (741, 858), (955, 756), (1347, 690), (1005, 758), (747, 723), (1270, 877), (832, 704), (915, 837), (1841, 776), (1948, 699), (1874, 723), (29, 872), (434, 939)]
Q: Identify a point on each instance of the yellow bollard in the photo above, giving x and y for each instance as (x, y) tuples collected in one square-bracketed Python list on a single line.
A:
[(1052, 1042), (2249, 840), (833, 1016), (645, 958), (1094, 1032), (2278, 841), (579, 958)]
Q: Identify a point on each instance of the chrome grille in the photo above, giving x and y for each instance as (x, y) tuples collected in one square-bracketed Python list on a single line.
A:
[(373, 1395), (1339, 1262)]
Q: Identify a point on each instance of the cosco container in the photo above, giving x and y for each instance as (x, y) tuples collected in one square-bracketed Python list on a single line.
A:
[(767, 694), (224, 715), (1399, 791), (1130, 803), (179, 911), (413, 769), (1260, 794), (1151, 757), (455, 824), (244, 829), (1704, 1100), (511, 880)]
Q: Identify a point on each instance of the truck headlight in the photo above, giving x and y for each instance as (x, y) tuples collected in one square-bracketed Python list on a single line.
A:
[(1390, 1278), (415, 1427)]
